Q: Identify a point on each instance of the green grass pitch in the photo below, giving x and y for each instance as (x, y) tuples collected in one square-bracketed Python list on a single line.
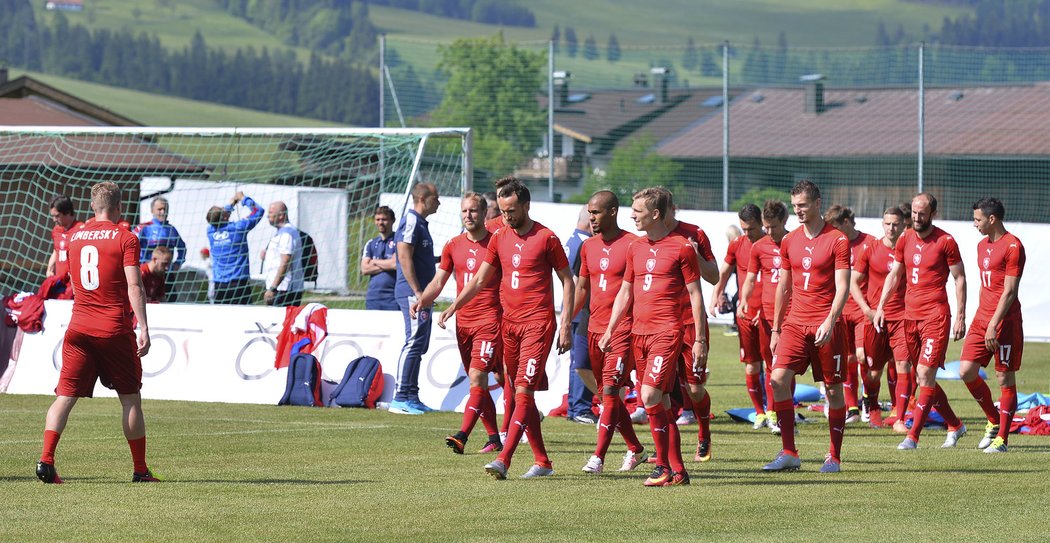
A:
[(262, 473)]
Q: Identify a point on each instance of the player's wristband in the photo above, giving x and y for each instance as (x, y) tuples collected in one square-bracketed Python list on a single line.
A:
[(774, 331)]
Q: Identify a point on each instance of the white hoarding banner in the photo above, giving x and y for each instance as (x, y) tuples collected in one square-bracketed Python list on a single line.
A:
[(215, 353)]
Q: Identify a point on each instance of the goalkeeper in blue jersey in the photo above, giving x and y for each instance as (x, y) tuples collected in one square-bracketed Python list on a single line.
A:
[(229, 249), (160, 232)]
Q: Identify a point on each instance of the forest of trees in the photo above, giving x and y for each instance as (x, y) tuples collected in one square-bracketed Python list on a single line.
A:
[(267, 80), (1001, 23), (502, 12), (335, 27)]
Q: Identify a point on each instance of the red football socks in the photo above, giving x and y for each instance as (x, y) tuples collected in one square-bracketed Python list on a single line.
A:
[(923, 404), (754, 391), (472, 411), (837, 426), (508, 405), (488, 412), (539, 451), (138, 454), (980, 392), (518, 421), (626, 428), (903, 393), (659, 427), (674, 443), (871, 392), (852, 384), (891, 382), (940, 403), (785, 410), (1007, 407), (51, 438), (607, 424), (702, 410)]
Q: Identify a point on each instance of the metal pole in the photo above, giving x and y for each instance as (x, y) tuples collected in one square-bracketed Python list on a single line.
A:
[(550, 120), (468, 161), (922, 111), (725, 126), (393, 94), (382, 111)]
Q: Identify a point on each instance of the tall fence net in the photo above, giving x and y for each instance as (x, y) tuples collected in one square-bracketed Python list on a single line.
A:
[(724, 123)]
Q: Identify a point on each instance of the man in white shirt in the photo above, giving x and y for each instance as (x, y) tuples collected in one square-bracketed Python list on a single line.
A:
[(282, 261)]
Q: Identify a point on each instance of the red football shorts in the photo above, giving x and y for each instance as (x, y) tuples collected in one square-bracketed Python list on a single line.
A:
[(885, 347), (689, 374), (525, 349), (480, 347), (1011, 345), (855, 331), (928, 340), (797, 351), (750, 340), (111, 360), (765, 339), (614, 366), (656, 356)]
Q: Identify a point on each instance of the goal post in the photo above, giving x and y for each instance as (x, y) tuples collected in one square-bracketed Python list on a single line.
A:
[(331, 180)]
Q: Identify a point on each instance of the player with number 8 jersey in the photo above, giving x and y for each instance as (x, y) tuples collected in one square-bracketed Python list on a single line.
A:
[(100, 343)]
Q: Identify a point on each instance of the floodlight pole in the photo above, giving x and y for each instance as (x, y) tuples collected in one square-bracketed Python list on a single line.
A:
[(382, 110), (922, 111), (550, 120), (725, 126)]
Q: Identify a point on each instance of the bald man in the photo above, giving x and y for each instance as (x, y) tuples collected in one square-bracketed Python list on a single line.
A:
[(283, 260)]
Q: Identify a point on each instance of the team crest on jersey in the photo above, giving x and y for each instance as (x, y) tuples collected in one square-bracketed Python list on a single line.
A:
[(650, 265), (916, 258), (986, 262), (516, 260), (471, 263), (807, 262), (776, 261), (603, 264)]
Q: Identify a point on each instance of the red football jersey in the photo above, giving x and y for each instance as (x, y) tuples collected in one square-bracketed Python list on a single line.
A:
[(857, 246), (462, 257), (876, 263), (60, 237), (813, 263), (658, 272), (696, 235), (765, 261), (153, 285), (604, 264), (739, 254), (926, 263), (995, 261), (98, 254), (526, 289)]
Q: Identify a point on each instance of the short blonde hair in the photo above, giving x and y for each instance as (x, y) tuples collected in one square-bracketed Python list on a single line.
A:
[(657, 198), (104, 196)]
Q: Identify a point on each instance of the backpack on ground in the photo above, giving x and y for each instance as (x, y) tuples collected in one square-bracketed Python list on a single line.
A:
[(309, 257), (362, 384), (304, 381)]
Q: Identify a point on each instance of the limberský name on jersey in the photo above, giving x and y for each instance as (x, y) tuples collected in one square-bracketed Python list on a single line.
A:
[(88, 235)]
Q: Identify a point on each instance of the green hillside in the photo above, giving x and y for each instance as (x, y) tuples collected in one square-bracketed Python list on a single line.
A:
[(159, 110)]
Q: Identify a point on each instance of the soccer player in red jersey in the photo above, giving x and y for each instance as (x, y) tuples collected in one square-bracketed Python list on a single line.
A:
[(100, 342), (603, 262), (996, 329), (815, 277), (526, 253), (659, 267), (738, 255), (477, 325), (841, 218), (694, 378), (923, 258), (66, 223), (154, 274), (888, 344), (763, 274)]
